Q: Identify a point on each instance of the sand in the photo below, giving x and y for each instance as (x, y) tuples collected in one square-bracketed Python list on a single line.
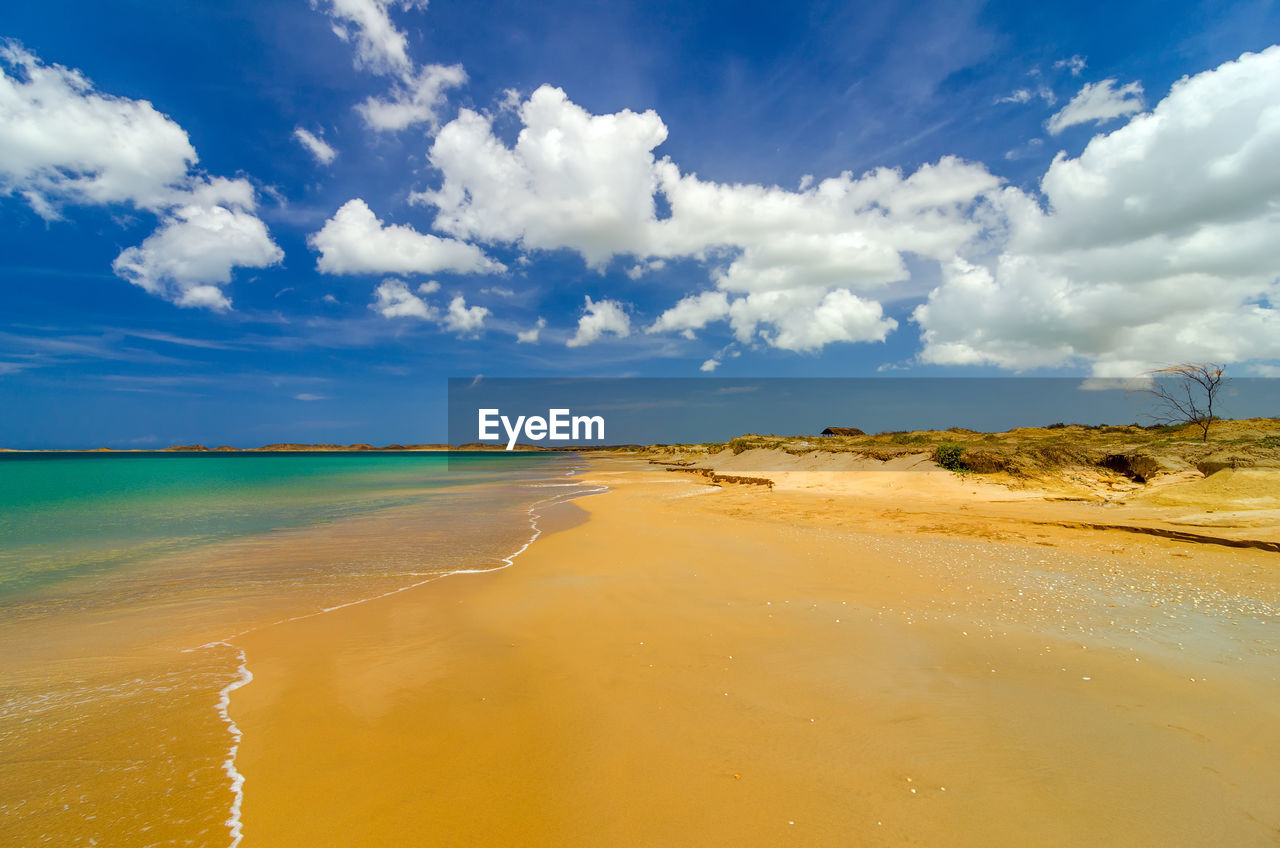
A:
[(864, 662), (108, 724)]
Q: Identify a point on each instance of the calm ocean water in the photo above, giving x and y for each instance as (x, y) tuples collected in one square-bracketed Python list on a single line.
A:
[(67, 517), (125, 578)]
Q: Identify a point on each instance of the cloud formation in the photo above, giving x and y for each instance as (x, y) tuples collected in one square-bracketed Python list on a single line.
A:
[(1020, 95), (1112, 262), (393, 299), (63, 142), (414, 98), (1156, 243), (198, 244), (315, 145), (572, 180), (600, 318), (790, 268), (416, 91), (692, 313), (809, 320), (530, 336), (1076, 65), (463, 319), (1155, 240), (355, 241), (1097, 103), (379, 46)]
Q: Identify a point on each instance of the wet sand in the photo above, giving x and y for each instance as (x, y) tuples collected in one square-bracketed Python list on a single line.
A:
[(109, 727), (692, 665)]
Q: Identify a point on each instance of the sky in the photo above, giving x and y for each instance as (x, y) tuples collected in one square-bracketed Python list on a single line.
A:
[(245, 222)]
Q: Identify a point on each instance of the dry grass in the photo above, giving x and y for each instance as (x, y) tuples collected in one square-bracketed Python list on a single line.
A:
[(1032, 452)]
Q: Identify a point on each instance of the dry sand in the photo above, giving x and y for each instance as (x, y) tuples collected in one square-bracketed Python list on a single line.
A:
[(871, 661)]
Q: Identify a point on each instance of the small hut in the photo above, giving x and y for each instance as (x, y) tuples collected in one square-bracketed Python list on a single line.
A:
[(843, 431)]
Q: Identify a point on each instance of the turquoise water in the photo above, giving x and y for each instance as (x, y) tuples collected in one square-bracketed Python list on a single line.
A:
[(70, 516), (124, 578)]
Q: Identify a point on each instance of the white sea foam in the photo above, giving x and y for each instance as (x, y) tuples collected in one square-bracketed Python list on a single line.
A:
[(234, 823), (537, 531), (243, 677)]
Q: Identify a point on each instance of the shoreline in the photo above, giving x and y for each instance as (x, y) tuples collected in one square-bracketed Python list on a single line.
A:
[(245, 675), (587, 683), (127, 655)]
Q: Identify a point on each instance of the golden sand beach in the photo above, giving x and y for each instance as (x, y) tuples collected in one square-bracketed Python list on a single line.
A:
[(847, 659)]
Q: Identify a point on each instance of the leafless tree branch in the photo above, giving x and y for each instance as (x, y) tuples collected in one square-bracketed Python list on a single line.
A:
[(1185, 393)]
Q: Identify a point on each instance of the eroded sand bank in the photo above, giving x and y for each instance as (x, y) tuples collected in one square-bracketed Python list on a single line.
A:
[(699, 666)]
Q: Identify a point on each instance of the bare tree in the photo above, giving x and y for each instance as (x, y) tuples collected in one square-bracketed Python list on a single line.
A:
[(1184, 394)]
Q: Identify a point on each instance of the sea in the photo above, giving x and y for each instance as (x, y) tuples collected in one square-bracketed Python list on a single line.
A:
[(125, 579)]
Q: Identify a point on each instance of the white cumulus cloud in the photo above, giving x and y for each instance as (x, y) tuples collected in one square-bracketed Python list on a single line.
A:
[(692, 313), (572, 180), (392, 299), (1157, 243), (198, 244), (63, 142), (590, 183), (463, 319), (413, 100), (808, 264), (1098, 103), (600, 318), (808, 320), (354, 241)]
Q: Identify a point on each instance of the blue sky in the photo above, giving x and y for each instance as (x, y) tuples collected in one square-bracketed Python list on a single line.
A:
[(1030, 189)]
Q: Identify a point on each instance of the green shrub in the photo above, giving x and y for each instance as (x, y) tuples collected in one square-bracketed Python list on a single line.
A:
[(950, 457)]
